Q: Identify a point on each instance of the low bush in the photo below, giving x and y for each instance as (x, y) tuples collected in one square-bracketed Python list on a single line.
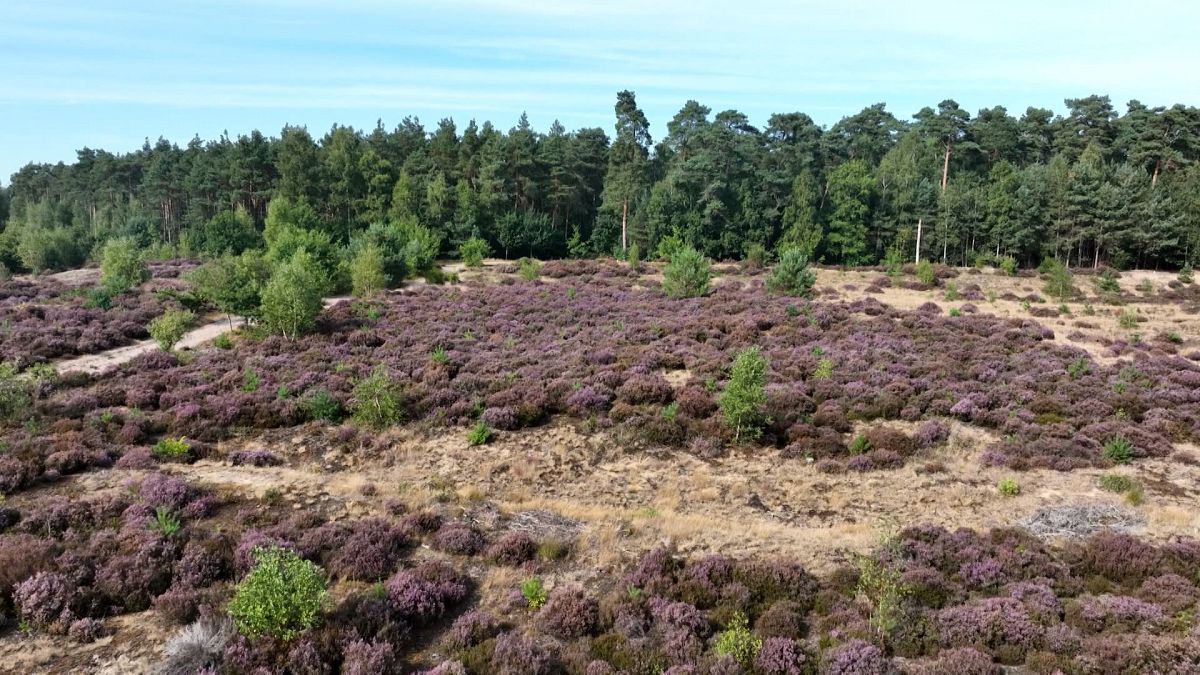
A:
[(170, 327), (281, 597), (687, 275)]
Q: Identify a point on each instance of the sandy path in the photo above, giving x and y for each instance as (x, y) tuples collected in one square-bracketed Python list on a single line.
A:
[(94, 364)]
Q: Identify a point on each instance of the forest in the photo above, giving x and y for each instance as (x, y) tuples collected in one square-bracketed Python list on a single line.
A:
[(1088, 186)]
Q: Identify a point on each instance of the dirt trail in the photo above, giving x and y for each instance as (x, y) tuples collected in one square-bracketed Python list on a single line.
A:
[(102, 362)]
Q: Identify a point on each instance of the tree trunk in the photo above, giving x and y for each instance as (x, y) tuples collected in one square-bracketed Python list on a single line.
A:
[(946, 168), (624, 218), (918, 256), (1154, 176)]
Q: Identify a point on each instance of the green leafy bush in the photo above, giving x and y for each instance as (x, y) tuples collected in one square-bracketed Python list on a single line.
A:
[(1116, 482), (167, 448), (1008, 265), (367, 274), (792, 275), (479, 434), (756, 257), (824, 370), (745, 394), (122, 265), (634, 257), (1185, 275), (291, 299), (377, 400), (925, 273), (323, 407), (860, 445), (687, 275), (1078, 368), (1118, 450), (1008, 487), (223, 341), (282, 597), (534, 592), (737, 641), (951, 292), (170, 327), (529, 269), (473, 251), (1107, 283), (1058, 279), (15, 392), (1128, 319), (164, 521)]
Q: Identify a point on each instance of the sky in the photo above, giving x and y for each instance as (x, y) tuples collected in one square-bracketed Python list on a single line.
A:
[(81, 73)]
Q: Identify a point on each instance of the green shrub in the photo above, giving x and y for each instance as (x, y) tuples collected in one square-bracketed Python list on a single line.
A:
[(282, 597), (439, 355), (534, 592), (737, 641), (223, 341), (1116, 482), (1058, 279), (479, 434), (168, 448), (668, 246), (473, 251), (377, 400), (1145, 287), (249, 380), (1008, 265), (792, 275), (824, 370), (98, 298), (170, 327), (1185, 275), (529, 269), (860, 445), (16, 392), (122, 265), (745, 394), (1128, 319), (233, 284), (1118, 450), (291, 299), (1173, 337), (1078, 368), (367, 274), (164, 521), (634, 257), (951, 292), (1008, 487), (322, 406), (925, 273), (687, 275), (1107, 283), (756, 257), (954, 311)]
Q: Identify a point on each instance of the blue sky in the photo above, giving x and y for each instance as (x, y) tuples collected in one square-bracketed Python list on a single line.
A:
[(77, 73)]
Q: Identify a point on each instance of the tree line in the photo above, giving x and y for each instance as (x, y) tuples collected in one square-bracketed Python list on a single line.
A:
[(1086, 187)]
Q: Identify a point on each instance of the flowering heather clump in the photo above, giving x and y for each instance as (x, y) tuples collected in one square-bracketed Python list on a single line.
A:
[(470, 629), (371, 551), (1171, 591), (45, 600), (367, 658), (458, 538), (961, 661), (425, 592), (259, 458), (679, 615), (570, 614), (513, 548), (989, 622), (1113, 612), (85, 630), (931, 432), (781, 656), (857, 657), (516, 655), (1122, 558)]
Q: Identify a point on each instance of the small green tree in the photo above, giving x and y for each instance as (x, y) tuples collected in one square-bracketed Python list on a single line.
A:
[(687, 275), (122, 265), (15, 392), (170, 327), (529, 269), (792, 275), (282, 597), (925, 273), (745, 394), (1058, 279), (233, 284), (473, 251), (377, 400), (737, 641), (291, 300), (633, 256), (367, 276)]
